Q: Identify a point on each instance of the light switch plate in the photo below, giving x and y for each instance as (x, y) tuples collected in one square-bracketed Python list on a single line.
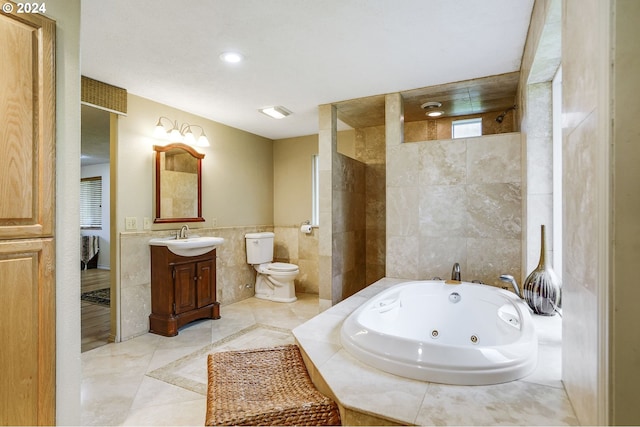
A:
[(131, 223), (146, 223)]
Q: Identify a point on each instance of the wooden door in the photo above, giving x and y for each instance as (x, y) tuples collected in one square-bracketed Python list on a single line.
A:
[(27, 207)]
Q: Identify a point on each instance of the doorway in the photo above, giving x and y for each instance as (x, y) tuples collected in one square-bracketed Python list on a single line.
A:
[(95, 207)]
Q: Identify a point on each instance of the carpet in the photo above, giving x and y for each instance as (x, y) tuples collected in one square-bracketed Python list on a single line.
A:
[(99, 296), (190, 372)]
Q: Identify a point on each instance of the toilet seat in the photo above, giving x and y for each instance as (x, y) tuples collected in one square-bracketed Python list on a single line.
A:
[(282, 267)]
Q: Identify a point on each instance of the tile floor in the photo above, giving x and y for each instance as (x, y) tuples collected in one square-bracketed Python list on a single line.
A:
[(155, 380)]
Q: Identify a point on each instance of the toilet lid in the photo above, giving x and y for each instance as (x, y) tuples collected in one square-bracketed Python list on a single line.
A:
[(282, 266)]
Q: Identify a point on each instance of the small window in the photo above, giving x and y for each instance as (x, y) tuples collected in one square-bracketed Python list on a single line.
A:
[(466, 128), (315, 190), (91, 202)]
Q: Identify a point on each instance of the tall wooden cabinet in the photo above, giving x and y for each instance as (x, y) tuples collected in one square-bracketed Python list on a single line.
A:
[(183, 289), (27, 207)]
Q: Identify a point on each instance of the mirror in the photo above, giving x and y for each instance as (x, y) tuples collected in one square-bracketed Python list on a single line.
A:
[(178, 184)]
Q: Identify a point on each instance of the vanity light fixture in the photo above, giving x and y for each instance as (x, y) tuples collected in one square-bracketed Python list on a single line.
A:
[(182, 133), (432, 108), (278, 112)]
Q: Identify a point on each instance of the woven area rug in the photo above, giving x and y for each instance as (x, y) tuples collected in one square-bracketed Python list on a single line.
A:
[(190, 372), (99, 296)]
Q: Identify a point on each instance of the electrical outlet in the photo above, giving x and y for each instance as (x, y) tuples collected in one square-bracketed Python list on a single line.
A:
[(131, 223), (214, 222), (146, 223)]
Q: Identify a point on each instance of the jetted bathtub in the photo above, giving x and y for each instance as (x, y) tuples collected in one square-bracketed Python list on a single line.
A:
[(444, 332)]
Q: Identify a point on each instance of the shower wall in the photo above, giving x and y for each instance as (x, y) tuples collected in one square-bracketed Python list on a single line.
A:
[(430, 130), (370, 150), (341, 240), (348, 249), (455, 201)]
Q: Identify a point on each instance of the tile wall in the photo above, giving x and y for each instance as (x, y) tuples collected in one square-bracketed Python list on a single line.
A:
[(349, 235), (341, 242), (370, 149), (295, 247), (430, 130), (584, 154), (455, 201)]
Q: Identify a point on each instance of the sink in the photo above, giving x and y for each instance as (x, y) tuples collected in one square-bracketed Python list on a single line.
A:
[(192, 246)]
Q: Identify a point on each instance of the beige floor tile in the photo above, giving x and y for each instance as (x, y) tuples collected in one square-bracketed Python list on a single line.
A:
[(156, 380)]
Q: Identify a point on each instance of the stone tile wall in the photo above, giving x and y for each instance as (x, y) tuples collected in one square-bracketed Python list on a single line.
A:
[(430, 130), (585, 165), (348, 226), (455, 201), (295, 247), (370, 149)]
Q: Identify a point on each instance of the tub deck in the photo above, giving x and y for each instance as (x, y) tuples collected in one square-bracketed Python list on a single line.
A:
[(368, 396)]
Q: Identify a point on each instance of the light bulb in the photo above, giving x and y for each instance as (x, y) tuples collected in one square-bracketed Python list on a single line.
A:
[(203, 141), (159, 131), (436, 113), (175, 135), (189, 138)]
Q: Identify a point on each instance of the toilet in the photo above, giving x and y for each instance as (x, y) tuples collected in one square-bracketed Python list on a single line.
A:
[(274, 280)]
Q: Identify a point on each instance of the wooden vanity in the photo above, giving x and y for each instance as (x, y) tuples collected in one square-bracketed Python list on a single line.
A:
[(183, 289)]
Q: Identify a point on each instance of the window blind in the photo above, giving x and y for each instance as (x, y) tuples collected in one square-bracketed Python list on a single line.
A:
[(91, 202)]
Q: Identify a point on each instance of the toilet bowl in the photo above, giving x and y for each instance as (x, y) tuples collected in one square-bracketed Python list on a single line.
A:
[(274, 280)]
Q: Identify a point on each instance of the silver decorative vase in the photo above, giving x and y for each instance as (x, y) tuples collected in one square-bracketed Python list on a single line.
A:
[(542, 288)]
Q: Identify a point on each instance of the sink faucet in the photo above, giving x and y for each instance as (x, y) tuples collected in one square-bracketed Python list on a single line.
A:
[(509, 279), (184, 232), (455, 272)]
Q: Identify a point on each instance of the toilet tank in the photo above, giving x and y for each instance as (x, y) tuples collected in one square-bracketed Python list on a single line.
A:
[(259, 247)]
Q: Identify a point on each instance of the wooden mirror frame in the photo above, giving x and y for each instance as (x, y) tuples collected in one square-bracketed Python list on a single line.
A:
[(159, 149)]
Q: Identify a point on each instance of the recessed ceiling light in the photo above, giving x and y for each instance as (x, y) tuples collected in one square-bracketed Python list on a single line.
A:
[(432, 108), (278, 112), (231, 57)]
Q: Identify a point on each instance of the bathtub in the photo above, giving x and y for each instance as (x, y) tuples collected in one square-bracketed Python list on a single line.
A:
[(444, 332)]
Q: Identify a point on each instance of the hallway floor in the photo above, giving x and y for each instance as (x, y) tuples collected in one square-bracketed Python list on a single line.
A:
[(95, 318), (156, 380)]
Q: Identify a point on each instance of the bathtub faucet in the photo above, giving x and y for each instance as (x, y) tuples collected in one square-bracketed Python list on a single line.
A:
[(455, 272), (509, 279)]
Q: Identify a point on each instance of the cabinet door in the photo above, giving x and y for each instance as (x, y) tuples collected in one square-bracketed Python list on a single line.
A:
[(206, 283), (184, 287), (27, 356), (27, 109)]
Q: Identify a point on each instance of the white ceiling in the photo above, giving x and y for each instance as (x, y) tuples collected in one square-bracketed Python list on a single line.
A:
[(298, 53)]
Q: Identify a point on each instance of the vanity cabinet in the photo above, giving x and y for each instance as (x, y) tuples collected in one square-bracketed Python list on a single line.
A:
[(183, 289)]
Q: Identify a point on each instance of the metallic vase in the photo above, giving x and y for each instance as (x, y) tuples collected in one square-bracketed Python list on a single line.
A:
[(542, 289)]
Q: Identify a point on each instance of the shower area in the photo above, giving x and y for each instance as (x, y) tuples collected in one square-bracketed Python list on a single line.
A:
[(395, 187)]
